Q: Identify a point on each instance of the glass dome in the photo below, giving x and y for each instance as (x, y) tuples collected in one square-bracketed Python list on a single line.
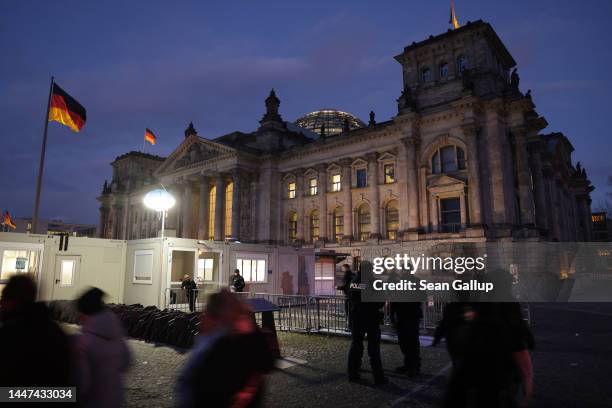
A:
[(333, 120)]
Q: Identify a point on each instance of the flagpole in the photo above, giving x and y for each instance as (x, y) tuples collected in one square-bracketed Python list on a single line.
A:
[(42, 162)]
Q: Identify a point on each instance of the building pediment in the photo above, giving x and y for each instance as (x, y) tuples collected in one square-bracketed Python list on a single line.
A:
[(311, 173), (193, 151), (387, 156), (445, 182)]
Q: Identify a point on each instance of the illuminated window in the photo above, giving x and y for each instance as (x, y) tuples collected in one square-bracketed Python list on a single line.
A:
[(362, 178), (462, 63), (229, 196), (338, 221), (293, 221), (17, 261), (426, 75), (291, 190), (212, 195), (205, 270), (336, 182), (252, 269), (392, 220), (443, 70), (363, 221), (314, 226), (448, 159), (313, 186), (389, 170), (450, 214)]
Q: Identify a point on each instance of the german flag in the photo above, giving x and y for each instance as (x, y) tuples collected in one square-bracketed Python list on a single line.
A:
[(150, 137), (8, 221), (66, 110)]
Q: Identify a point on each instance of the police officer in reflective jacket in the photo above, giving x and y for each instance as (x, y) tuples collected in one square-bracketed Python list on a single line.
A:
[(366, 318)]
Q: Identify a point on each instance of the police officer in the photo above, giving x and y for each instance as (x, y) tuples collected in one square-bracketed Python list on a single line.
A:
[(366, 318), (406, 316), (347, 278), (190, 288)]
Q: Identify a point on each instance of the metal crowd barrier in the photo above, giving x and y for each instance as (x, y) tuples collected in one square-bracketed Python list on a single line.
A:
[(315, 314)]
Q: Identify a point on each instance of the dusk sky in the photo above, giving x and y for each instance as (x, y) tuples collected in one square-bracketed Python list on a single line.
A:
[(162, 64)]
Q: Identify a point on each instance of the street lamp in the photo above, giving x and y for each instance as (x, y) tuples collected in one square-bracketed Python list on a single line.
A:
[(159, 200)]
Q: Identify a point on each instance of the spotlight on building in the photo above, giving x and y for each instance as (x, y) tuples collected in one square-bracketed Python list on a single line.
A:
[(159, 200)]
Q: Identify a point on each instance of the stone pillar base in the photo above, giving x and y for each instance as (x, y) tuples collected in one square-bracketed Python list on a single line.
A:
[(527, 232), (321, 241), (502, 231), (410, 235), (475, 231)]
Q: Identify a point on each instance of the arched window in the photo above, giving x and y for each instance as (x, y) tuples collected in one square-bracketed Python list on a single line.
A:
[(462, 63), (229, 196), (211, 212), (391, 220), (363, 221), (314, 226), (426, 74), (338, 221), (443, 70), (448, 159), (293, 220)]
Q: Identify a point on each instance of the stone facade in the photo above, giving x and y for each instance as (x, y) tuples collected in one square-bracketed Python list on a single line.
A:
[(464, 159)]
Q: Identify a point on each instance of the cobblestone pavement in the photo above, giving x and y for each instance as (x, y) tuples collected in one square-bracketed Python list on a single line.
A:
[(319, 382), (572, 364)]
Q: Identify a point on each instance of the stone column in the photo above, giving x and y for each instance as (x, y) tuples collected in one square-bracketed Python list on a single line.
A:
[(551, 205), (125, 220), (462, 210), (375, 215), (471, 135), (220, 194), (203, 210), (302, 188), (524, 177), (236, 206), (423, 204), (409, 187), (254, 207), (322, 190), (174, 214), (187, 210), (539, 189), (433, 213), (347, 199), (103, 221)]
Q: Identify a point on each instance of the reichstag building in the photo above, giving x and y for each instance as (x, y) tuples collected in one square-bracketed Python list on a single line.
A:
[(466, 158)]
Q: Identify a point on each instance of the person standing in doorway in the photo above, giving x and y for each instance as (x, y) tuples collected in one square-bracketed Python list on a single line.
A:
[(190, 287), (238, 281)]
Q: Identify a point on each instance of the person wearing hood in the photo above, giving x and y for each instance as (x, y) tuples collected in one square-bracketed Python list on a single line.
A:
[(102, 352)]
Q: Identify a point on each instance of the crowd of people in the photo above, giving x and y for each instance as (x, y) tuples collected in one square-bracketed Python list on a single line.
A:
[(488, 344), (35, 351)]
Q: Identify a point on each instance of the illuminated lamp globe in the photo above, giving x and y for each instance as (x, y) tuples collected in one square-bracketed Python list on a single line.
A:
[(159, 200)]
